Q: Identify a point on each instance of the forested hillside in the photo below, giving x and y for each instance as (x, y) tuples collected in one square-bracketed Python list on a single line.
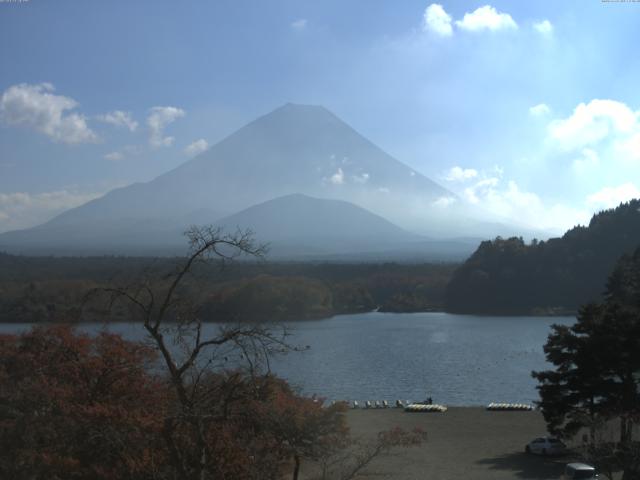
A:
[(37, 289), (507, 276)]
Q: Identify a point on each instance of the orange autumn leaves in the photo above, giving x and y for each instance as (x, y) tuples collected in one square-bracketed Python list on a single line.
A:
[(74, 406)]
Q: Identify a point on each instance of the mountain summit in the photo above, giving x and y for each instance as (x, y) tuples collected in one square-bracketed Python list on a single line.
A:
[(294, 149)]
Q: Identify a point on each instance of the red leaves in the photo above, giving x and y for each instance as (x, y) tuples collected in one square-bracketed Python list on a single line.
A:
[(79, 407), (75, 406)]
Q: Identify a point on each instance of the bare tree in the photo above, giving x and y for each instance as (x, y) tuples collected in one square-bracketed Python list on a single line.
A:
[(191, 351), (355, 455)]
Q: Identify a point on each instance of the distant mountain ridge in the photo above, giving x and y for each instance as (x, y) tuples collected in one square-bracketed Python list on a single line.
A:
[(302, 227), (296, 149), (320, 225), (507, 276)]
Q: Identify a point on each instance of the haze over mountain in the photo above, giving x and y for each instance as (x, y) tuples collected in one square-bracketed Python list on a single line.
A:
[(302, 227), (321, 224), (296, 149)]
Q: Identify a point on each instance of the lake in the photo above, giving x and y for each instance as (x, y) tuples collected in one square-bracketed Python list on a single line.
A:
[(455, 359)]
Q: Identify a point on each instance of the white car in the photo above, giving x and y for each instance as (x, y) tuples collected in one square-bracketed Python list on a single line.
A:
[(546, 446)]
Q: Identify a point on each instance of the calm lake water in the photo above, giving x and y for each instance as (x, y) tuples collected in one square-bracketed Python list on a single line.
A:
[(455, 359)]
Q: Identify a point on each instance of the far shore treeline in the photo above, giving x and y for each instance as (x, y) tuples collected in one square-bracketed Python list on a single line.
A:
[(502, 277), (42, 289)]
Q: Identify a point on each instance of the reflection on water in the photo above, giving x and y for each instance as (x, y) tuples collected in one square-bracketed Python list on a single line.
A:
[(455, 359)]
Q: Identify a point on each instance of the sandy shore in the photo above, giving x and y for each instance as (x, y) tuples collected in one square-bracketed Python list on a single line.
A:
[(463, 443)]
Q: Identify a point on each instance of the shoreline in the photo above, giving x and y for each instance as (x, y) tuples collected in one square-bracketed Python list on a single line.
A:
[(315, 319)]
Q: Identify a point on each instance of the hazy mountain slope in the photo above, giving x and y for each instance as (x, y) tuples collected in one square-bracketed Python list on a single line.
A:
[(302, 227), (98, 235), (509, 276), (318, 225), (294, 149), (299, 148)]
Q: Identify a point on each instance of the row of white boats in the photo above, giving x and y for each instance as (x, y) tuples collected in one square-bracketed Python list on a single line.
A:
[(509, 406), (408, 406), (421, 407), (428, 407)]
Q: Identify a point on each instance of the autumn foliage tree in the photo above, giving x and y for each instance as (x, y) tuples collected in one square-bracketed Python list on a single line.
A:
[(75, 406), (303, 425), (194, 402), (78, 407)]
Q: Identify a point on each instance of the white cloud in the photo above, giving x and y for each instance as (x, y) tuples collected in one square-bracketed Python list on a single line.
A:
[(586, 162), (610, 197), (114, 156), (539, 110), (458, 174), (23, 210), (436, 20), (523, 207), (480, 188), (506, 200), (338, 177), (299, 24), (118, 118), (384, 190), (629, 147), (593, 122), (544, 27), (124, 152), (37, 107), (364, 178), (158, 119), (486, 18), (197, 147), (444, 202)]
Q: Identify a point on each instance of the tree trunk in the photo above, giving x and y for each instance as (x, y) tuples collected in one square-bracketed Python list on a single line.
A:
[(202, 445), (625, 431), (296, 468)]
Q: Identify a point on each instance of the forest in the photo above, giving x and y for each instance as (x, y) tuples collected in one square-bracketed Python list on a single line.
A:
[(78, 406), (39, 289), (594, 382), (509, 276), (503, 276)]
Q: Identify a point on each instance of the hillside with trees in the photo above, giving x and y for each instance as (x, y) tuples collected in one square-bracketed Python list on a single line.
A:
[(595, 381), (41, 289), (508, 276)]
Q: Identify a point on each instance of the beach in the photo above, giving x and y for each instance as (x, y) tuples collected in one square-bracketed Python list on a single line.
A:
[(464, 442)]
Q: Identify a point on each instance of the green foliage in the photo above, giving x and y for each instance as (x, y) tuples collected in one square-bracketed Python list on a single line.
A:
[(597, 368), (40, 289), (507, 276), (270, 298)]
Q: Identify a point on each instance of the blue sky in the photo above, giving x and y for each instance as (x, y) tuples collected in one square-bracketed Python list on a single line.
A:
[(527, 109)]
